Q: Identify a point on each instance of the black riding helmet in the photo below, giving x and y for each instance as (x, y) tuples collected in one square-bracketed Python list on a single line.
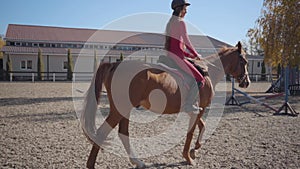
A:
[(177, 3)]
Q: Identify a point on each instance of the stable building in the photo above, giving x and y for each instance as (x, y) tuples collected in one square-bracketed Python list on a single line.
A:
[(87, 46)]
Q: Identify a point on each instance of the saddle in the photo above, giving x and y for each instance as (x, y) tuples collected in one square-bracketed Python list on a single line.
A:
[(172, 64)]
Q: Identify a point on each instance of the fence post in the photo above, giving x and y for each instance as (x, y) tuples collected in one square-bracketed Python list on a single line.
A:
[(74, 76), (32, 77), (10, 77), (53, 77), (256, 78)]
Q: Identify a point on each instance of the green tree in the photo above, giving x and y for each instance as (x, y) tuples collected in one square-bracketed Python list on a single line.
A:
[(95, 61), (278, 32), (278, 70), (263, 71), (40, 65), (70, 65), (8, 67), (2, 43), (121, 58)]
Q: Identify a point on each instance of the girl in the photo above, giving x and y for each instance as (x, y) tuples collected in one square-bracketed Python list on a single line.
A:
[(176, 41)]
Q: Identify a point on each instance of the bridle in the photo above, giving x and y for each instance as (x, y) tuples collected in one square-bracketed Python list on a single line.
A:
[(241, 61)]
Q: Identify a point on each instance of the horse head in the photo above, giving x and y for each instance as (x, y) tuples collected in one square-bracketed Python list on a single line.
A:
[(236, 64)]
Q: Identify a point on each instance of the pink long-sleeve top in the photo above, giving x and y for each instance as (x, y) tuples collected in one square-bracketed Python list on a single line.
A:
[(176, 48), (179, 40)]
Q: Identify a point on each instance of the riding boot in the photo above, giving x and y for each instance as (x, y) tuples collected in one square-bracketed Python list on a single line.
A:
[(192, 97)]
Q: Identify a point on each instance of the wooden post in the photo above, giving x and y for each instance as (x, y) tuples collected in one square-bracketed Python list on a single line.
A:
[(32, 77)]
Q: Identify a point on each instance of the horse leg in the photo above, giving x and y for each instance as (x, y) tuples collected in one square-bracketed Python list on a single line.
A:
[(201, 126), (111, 121), (124, 136), (186, 150), (92, 157)]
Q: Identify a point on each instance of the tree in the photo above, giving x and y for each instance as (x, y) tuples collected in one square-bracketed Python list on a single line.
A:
[(278, 70), (95, 61), (121, 58), (70, 66), (252, 47), (8, 67), (278, 32), (263, 71), (40, 65), (2, 43)]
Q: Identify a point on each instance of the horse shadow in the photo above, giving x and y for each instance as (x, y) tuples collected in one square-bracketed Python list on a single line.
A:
[(164, 165)]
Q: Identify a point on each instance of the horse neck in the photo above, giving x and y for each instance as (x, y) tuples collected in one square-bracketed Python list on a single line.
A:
[(216, 70)]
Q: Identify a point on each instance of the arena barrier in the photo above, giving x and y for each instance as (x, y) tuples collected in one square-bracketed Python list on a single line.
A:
[(234, 101), (286, 107)]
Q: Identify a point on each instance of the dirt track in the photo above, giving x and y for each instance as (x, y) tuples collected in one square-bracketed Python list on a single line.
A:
[(39, 129)]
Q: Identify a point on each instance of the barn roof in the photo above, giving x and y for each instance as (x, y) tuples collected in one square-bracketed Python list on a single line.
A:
[(25, 33)]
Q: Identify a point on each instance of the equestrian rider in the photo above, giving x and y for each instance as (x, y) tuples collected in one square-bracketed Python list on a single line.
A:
[(176, 41)]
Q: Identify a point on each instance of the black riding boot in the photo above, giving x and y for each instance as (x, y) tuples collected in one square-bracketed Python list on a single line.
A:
[(191, 98)]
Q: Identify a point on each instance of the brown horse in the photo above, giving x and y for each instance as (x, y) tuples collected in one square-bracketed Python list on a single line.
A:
[(140, 93)]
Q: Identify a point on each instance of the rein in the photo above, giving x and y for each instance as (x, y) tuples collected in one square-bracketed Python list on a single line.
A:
[(242, 76)]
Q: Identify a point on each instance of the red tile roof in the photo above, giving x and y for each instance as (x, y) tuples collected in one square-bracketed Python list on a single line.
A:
[(60, 34), (80, 35)]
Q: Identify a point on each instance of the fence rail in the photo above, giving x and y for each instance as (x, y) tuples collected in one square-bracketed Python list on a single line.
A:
[(47, 76), (87, 76)]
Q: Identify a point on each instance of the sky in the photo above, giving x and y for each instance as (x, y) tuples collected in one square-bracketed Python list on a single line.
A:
[(225, 20)]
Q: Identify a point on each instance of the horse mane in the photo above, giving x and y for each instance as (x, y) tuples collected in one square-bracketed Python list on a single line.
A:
[(223, 50)]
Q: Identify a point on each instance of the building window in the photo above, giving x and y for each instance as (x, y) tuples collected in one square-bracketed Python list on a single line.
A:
[(258, 64), (65, 65), (29, 64), (23, 64), (26, 65)]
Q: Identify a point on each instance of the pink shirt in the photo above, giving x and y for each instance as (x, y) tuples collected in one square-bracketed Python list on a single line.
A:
[(179, 40)]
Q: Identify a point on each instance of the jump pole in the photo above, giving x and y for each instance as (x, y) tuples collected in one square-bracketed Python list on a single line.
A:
[(233, 101), (258, 101)]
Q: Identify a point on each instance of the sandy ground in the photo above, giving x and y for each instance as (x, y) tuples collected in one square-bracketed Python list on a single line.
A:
[(39, 129)]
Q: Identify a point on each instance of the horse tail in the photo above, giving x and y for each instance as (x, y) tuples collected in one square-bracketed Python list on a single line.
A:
[(91, 101)]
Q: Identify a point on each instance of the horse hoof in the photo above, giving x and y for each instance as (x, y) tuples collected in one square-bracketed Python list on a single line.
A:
[(139, 164), (188, 159), (197, 146), (193, 153), (191, 162), (90, 166)]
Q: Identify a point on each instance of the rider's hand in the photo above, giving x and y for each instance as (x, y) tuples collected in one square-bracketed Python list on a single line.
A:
[(199, 57)]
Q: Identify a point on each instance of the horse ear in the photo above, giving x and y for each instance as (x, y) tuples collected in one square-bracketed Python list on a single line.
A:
[(239, 45)]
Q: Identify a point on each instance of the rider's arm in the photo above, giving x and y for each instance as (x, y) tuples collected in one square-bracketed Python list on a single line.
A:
[(186, 40)]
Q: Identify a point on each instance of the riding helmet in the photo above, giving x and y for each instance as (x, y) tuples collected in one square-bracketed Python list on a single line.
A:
[(177, 3)]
